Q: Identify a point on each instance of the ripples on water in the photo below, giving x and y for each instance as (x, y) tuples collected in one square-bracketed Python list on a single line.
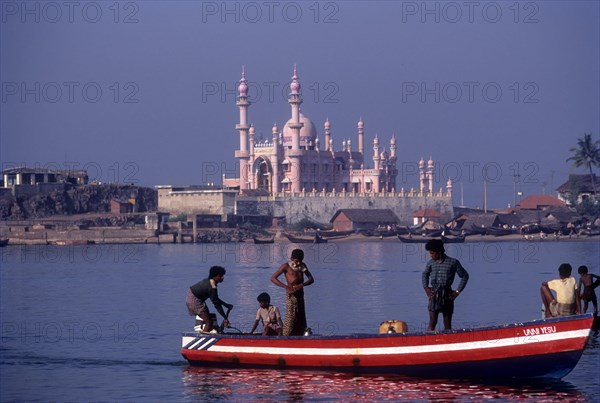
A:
[(104, 322), (273, 385)]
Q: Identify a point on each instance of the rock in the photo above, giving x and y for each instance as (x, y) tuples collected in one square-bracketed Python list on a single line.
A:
[(75, 200)]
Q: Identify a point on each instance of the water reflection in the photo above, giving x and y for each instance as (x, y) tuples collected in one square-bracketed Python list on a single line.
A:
[(275, 385)]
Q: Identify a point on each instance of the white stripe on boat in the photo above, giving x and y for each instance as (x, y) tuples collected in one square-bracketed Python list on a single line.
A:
[(432, 348)]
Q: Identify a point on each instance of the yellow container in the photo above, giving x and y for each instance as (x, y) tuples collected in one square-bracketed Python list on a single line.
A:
[(393, 326)]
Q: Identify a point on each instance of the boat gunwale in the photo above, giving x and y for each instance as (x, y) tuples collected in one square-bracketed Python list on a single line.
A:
[(535, 322)]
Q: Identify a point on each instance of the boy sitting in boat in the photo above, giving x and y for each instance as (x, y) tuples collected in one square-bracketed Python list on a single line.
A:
[(567, 297), (269, 316)]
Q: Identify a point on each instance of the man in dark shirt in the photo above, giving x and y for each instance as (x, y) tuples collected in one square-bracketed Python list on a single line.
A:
[(440, 270), (203, 290)]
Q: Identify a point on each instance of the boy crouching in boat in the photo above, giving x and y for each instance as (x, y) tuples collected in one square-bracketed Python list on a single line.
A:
[(269, 315), (567, 298)]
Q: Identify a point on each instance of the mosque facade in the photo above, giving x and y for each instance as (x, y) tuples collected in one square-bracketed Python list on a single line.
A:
[(295, 160), (295, 175)]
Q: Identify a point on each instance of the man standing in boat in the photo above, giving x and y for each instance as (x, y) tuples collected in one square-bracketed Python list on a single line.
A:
[(440, 270), (294, 323)]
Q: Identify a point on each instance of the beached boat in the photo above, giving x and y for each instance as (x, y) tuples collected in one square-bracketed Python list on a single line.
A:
[(263, 240), (496, 231), (453, 239), (310, 239), (72, 242), (547, 348), (414, 239), (335, 234)]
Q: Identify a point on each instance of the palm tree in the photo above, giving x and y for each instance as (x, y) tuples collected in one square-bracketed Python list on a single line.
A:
[(586, 154)]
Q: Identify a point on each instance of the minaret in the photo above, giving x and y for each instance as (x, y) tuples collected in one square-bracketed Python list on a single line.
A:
[(295, 154), (393, 149), (376, 187), (422, 175), (430, 174), (327, 127), (252, 175), (242, 154), (252, 141), (275, 161), (376, 153), (361, 137)]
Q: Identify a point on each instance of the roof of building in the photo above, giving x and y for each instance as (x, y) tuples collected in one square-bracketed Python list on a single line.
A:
[(535, 202), (481, 220), (427, 213), (582, 183), (308, 131), (509, 219), (41, 170), (385, 216)]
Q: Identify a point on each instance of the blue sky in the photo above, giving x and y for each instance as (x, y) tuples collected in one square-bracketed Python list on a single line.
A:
[(142, 91)]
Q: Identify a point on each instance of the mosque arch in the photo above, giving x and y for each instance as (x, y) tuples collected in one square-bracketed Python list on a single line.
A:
[(263, 171)]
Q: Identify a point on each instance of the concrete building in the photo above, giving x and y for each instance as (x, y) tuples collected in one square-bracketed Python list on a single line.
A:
[(33, 176)]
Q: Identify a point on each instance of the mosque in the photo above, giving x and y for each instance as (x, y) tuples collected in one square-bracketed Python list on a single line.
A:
[(293, 175), (294, 160)]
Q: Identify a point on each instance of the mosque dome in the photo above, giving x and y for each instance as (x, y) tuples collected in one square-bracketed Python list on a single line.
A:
[(308, 132)]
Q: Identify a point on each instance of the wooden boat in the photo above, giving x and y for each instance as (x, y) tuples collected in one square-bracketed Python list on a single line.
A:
[(434, 233), (453, 239), (72, 242), (311, 239), (475, 230), (334, 234), (379, 233), (546, 348), (496, 231), (263, 240), (414, 239)]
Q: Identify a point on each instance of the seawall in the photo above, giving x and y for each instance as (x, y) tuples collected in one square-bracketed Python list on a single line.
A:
[(320, 207)]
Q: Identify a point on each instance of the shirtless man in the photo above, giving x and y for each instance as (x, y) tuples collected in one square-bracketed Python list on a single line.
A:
[(587, 286), (294, 323)]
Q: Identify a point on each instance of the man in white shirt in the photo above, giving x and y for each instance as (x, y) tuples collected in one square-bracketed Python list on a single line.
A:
[(567, 296)]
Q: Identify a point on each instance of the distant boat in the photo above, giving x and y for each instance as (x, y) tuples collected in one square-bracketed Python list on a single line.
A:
[(380, 234), (312, 239), (453, 239), (475, 230), (496, 231), (73, 242), (334, 234), (434, 233), (3, 242), (263, 240), (414, 239)]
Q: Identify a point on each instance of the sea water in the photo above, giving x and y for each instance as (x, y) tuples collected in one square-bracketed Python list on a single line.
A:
[(104, 322)]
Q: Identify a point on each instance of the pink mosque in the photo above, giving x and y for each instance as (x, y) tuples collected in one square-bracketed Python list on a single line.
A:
[(294, 161)]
